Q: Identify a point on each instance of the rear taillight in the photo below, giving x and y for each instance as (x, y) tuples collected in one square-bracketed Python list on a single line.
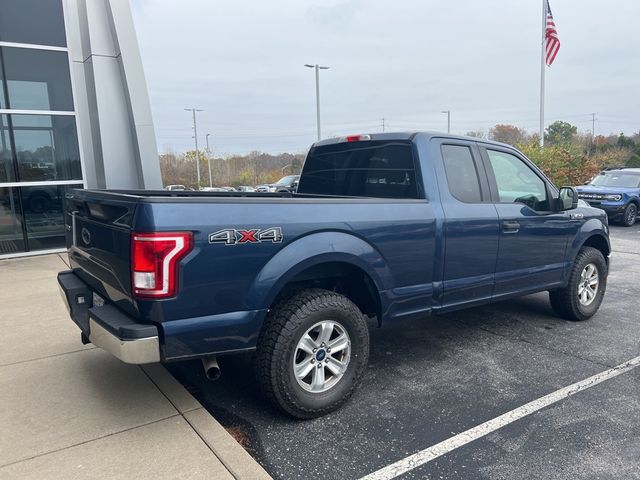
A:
[(155, 259)]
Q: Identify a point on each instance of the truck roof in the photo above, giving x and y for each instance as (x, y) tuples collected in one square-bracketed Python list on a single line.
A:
[(409, 135)]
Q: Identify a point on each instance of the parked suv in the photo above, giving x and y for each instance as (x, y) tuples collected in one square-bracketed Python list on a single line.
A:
[(617, 192), (285, 184)]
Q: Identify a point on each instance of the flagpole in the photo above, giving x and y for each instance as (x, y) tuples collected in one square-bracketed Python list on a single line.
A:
[(542, 69)]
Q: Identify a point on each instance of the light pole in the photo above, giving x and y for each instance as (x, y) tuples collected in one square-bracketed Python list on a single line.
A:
[(317, 69), (195, 136), (209, 159), (448, 112)]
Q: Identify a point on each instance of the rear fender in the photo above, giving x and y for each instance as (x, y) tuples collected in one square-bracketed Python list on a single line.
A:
[(313, 250)]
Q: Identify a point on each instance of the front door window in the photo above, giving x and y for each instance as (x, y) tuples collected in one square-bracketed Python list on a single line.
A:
[(516, 182)]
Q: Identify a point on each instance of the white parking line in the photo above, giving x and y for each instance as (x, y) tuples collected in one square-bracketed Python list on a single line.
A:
[(420, 458)]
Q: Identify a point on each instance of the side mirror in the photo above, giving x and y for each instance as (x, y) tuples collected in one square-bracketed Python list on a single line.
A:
[(567, 199)]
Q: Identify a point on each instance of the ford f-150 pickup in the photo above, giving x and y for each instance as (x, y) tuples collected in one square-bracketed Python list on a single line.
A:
[(382, 227)]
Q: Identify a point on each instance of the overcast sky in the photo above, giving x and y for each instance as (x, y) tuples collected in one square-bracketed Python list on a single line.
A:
[(242, 62)]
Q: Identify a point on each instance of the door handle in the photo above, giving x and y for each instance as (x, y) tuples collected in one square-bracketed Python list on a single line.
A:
[(510, 227)]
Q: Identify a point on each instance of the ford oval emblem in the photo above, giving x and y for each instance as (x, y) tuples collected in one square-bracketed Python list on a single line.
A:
[(86, 236)]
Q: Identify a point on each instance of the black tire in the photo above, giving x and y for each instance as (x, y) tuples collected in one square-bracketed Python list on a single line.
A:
[(565, 301), (285, 325), (630, 214)]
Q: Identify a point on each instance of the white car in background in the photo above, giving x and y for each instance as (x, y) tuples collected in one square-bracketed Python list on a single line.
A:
[(175, 187)]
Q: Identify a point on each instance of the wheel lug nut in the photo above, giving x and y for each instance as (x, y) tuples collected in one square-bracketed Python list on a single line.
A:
[(326, 361), (313, 360), (320, 365), (314, 350), (328, 350)]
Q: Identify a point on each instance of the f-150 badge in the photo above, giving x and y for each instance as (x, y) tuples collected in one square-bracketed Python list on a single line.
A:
[(231, 236)]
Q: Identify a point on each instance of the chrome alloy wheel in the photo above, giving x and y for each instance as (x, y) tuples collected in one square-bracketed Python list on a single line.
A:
[(588, 285), (322, 356)]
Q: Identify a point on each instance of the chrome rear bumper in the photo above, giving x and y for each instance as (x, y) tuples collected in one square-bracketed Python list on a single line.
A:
[(136, 351), (106, 326)]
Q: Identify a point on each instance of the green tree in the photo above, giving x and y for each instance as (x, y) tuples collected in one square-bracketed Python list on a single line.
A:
[(560, 133), (625, 142), (634, 161)]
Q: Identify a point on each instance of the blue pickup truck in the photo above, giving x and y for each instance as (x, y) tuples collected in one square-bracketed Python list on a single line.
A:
[(382, 227)]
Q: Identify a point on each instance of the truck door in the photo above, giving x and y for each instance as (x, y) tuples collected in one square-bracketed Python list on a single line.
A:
[(471, 227), (533, 238)]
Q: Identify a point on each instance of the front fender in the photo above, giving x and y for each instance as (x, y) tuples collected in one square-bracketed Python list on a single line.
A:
[(594, 229), (311, 250)]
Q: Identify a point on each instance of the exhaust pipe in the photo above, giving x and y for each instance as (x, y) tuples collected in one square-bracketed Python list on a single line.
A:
[(211, 368)]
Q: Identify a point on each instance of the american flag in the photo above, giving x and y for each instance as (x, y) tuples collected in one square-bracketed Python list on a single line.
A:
[(551, 40)]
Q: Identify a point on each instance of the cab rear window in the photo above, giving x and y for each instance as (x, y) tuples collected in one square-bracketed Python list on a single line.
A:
[(361, 169)]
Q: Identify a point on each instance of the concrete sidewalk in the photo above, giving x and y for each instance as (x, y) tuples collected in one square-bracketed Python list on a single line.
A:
[(73, 411)]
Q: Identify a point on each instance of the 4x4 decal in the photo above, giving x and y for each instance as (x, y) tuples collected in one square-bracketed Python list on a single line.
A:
[(231, 236)]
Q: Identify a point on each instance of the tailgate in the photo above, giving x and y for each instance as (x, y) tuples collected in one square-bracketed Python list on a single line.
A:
[(98, 230)]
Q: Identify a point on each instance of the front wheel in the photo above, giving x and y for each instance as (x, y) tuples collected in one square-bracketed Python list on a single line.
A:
[(582, 296), (630, 214), (312, 352)]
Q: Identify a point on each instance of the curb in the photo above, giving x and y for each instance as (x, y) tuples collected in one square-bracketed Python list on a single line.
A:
[(230, 453)]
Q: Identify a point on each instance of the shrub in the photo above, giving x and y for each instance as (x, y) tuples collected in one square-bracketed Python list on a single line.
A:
[(569, 164)]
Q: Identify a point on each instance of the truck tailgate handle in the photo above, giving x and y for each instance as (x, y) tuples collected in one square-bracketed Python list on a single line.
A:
[(510, 227)]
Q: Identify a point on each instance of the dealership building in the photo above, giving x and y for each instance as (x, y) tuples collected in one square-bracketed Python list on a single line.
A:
[(74, 112)]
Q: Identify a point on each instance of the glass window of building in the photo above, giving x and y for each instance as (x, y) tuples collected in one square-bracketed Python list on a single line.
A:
[(37, 79), (43, 208), (39, 22), (3, 101), (11, 232), (39, 151), (7, 169), (46, 147)]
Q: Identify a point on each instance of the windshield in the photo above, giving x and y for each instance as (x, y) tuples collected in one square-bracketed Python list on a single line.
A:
[(288, 180), (617, 179)]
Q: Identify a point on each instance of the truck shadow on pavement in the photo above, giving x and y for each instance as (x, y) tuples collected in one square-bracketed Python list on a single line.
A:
[(406, 358)]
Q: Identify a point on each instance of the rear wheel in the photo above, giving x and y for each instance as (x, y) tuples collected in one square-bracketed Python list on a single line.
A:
[(582, 296), (630, 215), (312, 352)]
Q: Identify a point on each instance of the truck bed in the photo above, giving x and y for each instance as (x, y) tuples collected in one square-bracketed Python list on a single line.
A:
[(187, 196), (218, 281)]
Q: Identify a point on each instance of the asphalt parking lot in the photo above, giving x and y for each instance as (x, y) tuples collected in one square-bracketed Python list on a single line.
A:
[(432, 379)]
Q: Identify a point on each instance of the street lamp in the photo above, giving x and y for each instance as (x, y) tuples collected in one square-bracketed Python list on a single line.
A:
[(209, 159), (195, 136), (317, 69), (448, 112)]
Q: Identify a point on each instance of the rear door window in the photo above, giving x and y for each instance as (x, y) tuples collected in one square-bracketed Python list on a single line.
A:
[(462, 176), (361, 169)]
